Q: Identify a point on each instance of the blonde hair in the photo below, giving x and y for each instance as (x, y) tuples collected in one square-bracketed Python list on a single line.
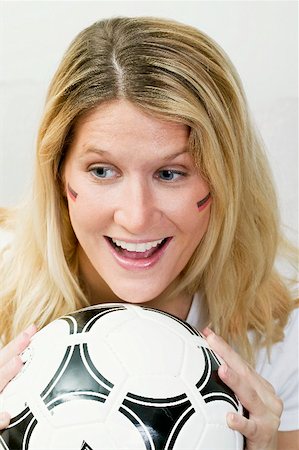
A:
[(174, 71)]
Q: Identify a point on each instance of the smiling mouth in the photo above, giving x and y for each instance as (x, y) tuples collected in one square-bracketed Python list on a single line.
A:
[(136, 251)]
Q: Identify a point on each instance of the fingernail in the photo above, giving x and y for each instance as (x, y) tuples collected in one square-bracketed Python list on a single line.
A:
[(223, 370), (30, 329), (207, 331), (232, 418)]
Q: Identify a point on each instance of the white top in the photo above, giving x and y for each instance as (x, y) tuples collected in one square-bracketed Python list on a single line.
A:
[(282, 369)]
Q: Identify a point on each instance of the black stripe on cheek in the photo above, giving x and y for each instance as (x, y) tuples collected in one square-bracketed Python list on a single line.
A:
[(73, 194), (204, 200)]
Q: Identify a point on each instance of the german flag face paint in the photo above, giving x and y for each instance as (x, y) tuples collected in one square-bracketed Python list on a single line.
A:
[(202, 204), (73, 194)]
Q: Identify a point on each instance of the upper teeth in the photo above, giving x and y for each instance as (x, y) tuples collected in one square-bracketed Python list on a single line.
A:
[(140, 247)]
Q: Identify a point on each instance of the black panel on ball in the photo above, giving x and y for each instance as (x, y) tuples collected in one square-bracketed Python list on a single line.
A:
[(13, 438), (158, 418)]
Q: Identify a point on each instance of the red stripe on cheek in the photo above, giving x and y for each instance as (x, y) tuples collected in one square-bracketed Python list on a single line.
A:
[(73, 194), (202, 204)]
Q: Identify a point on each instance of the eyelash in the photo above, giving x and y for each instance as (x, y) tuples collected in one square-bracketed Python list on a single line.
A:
[(173, 172), (93, 171), (105, 169)]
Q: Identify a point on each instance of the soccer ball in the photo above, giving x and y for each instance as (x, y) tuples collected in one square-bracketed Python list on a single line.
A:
[(119, 377)]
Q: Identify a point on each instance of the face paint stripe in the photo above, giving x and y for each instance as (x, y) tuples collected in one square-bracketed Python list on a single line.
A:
[(72, 193), (204, 202)]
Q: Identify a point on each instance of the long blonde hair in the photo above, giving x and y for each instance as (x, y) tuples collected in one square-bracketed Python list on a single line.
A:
[(177, 72)]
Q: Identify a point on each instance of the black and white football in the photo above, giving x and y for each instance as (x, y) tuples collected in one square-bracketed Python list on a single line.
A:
[(119, 377)]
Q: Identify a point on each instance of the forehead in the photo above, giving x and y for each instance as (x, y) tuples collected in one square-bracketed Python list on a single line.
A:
[(122, 122)]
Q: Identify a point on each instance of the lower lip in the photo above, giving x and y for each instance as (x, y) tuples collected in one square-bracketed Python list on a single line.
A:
[(140, 263)]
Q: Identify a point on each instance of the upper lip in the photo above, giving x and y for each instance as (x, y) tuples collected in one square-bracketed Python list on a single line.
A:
[(137, 241)]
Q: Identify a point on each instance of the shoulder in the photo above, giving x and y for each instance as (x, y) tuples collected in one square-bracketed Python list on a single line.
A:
[(281, 370)]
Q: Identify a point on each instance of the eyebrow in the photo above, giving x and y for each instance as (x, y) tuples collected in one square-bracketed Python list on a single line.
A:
[(101, 152)]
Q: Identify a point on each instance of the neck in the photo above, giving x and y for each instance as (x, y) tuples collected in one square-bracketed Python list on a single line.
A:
[(178, 306), (97, 291)]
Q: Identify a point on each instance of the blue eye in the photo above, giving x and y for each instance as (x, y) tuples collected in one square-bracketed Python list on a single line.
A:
[(170, 175), (103, 172)]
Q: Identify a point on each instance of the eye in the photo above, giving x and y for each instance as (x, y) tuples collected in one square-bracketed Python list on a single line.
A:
[(170, 175), (103, 172)]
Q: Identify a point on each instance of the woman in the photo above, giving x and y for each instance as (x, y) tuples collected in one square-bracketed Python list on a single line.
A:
[(151, 187)]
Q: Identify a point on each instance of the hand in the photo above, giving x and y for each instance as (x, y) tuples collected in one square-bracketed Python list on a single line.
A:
[(11, 363), (255, 393)]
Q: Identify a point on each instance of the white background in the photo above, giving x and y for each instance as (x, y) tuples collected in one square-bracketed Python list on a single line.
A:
[(259, 36)]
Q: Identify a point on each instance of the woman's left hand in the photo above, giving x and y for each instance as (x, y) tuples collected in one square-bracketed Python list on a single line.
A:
[(255, 393)]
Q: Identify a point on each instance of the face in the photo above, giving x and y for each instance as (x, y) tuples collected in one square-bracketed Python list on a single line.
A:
[(137, 204)]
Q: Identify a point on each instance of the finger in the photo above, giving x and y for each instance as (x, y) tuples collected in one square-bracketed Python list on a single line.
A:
[(4, 420), (247, 427), (266, 384), (245, 391), (258, 435), (226, 352), (10, 370), (17, 345), (252, 389)]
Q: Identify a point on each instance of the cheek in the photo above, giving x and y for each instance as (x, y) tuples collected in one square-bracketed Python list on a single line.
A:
[(191, 218), (82, 205), (197, 228), (201, 222), (87, 213)]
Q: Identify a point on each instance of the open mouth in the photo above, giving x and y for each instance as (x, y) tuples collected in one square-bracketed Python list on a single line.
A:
[(135, 251)]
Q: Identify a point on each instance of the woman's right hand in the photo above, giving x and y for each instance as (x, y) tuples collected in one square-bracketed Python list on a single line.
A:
[(11, 363)]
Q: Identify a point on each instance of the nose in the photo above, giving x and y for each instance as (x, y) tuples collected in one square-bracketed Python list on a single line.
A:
[(137, 208)]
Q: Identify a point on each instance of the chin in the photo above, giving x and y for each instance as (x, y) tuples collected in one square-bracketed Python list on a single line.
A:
[(134, 297), (136, 300)]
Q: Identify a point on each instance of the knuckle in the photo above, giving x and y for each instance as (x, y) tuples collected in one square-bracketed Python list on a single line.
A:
[(254, 397), (268, 429), (278, 405), (4, 420), (9, 370), (251, 431), (20, 343), (277, 423), (267, 437), (270, 387), (4, 380), (15, 364), (273, 424), (246, 371), (266, 384)]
